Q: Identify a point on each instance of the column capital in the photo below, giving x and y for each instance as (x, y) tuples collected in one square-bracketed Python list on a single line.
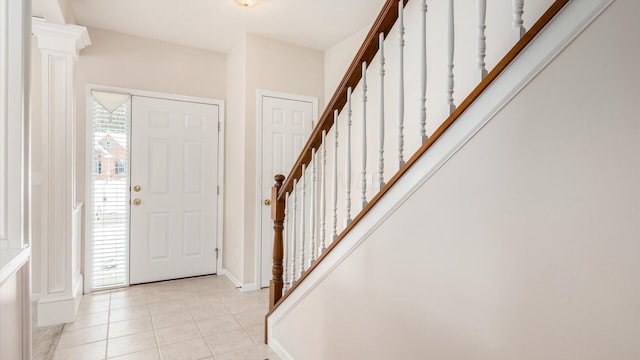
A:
[(61, 38)]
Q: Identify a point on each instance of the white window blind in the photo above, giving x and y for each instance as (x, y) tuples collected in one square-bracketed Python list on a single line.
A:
[(110, 195)]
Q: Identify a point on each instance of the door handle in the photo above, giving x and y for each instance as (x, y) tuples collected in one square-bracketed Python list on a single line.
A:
[(137, 202), (267, 202), (137, 188)]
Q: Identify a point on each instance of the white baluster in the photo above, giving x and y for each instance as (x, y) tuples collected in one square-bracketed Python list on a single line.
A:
[(312, 210), (292, 272), (482, 40), (347, 174), (381, 120), (287, 235), (334, 180), (423, 72), (323, 195), (401, 85), (302, 221), (450, 49), (364, 136), (518, 24)]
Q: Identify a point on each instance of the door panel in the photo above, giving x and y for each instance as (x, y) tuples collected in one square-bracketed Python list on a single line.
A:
[(174, 160), (286, 125)]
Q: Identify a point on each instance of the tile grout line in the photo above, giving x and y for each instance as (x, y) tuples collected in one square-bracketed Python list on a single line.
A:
[(153, 327), (106, 343), (199, 329)]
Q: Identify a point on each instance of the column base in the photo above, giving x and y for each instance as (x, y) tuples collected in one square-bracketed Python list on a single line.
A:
[(60, 308)]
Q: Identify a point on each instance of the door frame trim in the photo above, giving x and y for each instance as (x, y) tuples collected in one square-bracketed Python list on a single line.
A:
[(86, 265), (260, 95)]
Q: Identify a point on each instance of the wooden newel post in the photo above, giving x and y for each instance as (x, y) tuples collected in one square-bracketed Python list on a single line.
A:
[(277, 215)]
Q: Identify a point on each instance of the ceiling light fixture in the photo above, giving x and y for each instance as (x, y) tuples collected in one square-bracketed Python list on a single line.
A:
[(248, 3)]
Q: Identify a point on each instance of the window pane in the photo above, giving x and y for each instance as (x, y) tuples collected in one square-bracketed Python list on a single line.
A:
[(110, 195)]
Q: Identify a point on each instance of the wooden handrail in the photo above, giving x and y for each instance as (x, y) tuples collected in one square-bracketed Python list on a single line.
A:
[(383, 24), (553, 10)]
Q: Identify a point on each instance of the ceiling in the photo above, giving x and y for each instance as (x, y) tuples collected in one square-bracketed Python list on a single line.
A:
[(219, 24)]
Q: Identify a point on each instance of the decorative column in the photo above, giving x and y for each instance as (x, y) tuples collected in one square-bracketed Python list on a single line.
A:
[(61, 280)]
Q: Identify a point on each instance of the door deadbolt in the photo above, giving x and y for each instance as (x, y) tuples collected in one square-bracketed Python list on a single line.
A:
[(267, 202), (137, 202), (137, 188)]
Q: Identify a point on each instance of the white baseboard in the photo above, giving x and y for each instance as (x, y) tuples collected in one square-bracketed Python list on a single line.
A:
[(250, 287), (279, 350), (231, 278), (238, 283)]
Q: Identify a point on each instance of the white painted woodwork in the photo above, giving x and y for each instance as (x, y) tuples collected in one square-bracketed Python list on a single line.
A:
[(286, 239), (347, 173), (423, 72), (450, 42), (518, 24), (561, 46), (301, 264), (292, 272), (4, 122), (61, 286), (401, 83), (334, 180), (363, 148), (14, 297), (11, 259), (312, 210), (174, 155), (481, 71), (76, 241), (15, 172), (323, 193), (380, 182), (285, 123)]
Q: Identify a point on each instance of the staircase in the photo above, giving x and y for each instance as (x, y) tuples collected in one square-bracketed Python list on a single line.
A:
[(417, 226)]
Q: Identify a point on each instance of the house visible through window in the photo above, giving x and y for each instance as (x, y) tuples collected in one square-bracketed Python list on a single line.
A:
[(120, 167), (107, 144), (97, 167)]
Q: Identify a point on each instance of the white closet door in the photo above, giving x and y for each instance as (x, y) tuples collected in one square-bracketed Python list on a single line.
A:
[(286, 125)]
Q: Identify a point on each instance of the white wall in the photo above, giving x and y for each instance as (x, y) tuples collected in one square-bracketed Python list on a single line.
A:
[(338, 58), (523, 245), (235, 179)]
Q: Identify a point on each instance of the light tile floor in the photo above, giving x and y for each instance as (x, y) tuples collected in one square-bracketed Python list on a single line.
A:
[(188, 319)]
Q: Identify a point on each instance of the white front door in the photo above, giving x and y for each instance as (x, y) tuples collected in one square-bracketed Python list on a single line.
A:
[(174, 172), (286, 125)]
